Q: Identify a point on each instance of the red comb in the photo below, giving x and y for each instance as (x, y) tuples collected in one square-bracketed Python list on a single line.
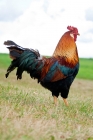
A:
[(71, 28)]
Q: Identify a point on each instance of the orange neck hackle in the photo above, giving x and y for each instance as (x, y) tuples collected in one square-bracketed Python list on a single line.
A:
[(66, 48)]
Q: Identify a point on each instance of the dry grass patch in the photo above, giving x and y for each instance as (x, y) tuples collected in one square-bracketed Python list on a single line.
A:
[(27, 111)]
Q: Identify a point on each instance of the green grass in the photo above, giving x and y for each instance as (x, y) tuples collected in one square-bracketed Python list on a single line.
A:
[(86, 69), (27, 111), (4, 60)]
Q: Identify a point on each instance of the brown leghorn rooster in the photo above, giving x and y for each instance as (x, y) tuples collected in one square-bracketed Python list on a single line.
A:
[(55, 73)]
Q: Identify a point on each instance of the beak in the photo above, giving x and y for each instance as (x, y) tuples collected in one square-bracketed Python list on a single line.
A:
[(78, 34)]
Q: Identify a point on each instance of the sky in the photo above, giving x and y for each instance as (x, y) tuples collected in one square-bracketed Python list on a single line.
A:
[(39, 24)]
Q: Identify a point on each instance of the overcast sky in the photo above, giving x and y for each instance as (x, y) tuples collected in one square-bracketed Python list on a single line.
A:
[(39, 24)]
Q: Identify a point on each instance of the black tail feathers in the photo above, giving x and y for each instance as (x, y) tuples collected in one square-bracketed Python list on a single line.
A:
[(12, 45), (24, 59), (14, 49)]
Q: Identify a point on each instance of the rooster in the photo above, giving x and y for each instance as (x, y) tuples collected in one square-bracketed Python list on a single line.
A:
[(55, 73)]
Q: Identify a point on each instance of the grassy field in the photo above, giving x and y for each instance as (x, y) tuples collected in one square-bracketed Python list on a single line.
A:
[(27, 111), (86, 69)]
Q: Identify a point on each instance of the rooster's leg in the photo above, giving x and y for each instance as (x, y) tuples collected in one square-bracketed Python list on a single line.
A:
[(55, 100), (65, 101)]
